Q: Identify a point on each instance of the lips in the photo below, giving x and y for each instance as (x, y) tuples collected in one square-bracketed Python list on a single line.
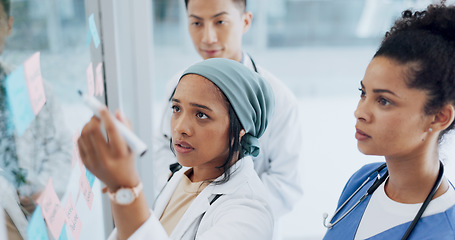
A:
[(183, 147), (211, 52), (360, 135)]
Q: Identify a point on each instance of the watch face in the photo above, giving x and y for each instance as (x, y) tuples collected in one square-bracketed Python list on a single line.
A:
[(124, 196)]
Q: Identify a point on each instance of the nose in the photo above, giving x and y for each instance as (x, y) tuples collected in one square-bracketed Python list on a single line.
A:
[(181, 124), (209, 36), (362, 113)]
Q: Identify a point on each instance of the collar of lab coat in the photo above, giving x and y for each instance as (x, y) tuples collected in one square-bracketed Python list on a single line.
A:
[(202, 202), (246, 61)]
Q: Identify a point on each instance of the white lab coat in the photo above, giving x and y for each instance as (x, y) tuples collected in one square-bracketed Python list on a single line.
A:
[(280, 146), (241, 213)]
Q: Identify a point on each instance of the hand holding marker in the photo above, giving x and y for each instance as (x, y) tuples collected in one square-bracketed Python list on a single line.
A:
[(135, 144)]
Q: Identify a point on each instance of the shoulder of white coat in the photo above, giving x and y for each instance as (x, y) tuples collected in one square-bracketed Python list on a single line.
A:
[(243, 181), (280, 89)]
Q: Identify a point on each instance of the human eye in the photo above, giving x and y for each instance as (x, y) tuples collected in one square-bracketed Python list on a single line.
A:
[(196, 23), (202, 115), (175, 109), (220, 22), (362, 93), (383, 101)]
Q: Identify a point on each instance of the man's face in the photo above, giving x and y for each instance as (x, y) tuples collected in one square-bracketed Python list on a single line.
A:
[(217, 27), (6, 24)]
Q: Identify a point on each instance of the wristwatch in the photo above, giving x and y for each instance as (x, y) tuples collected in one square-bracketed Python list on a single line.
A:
[(125, 196)]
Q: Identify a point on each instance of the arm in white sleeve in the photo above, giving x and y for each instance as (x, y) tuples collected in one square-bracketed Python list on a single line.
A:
[(282, 150), (239, 219)]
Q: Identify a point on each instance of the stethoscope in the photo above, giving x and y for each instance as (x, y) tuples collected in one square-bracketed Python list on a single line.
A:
[(379, 180)]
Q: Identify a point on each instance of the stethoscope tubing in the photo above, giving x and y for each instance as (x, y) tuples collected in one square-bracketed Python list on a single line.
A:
[(371, 190)]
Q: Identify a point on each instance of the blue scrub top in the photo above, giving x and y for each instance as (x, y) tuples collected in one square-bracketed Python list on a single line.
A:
[(439, 226)]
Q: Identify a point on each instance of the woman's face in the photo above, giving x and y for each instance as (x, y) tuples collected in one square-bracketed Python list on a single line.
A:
[(199, 123), (390, 116)]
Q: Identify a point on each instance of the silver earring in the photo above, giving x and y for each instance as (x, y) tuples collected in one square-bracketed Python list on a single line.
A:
[(430, 129)]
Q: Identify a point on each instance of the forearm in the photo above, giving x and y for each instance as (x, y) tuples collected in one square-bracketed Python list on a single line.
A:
[(130, 217)]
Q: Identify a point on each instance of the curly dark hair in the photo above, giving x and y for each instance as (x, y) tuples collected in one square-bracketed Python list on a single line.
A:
[(240, 3), (425, 42)]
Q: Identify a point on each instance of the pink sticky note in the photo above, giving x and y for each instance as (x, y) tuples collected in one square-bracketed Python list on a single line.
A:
[(86, 190), (35, 82), (52, 210), (90, 80), (75, 157), (99, 80), (72, 218)]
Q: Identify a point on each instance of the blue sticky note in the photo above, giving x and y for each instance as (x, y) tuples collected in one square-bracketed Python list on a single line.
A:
[(94, 30), (90, 177), (19, 100), (88, 38), (36, 226), (63, 235)]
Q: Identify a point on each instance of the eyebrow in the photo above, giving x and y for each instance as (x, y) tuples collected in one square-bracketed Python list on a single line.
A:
[(214, 16), (379, 90), (194, 105)]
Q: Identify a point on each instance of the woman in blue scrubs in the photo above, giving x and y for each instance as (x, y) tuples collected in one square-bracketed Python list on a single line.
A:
[(406, 107)]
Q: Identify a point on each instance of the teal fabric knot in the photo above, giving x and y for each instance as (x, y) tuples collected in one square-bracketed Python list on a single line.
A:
[(250, 145)]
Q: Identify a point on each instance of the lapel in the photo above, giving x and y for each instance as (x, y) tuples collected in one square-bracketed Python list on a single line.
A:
[(347, 227), (192, 217)]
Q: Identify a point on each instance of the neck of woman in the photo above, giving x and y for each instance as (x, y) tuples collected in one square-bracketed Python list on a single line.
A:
[(411, 180)]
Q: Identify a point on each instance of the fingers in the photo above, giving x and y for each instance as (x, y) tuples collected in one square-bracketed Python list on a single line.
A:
[(92, 145), (116, 142)]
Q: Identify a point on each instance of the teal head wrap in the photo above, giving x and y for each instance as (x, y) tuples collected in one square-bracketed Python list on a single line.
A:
[(249, 94)]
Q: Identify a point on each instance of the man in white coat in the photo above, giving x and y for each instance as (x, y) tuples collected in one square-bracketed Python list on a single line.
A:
[(216, 28)]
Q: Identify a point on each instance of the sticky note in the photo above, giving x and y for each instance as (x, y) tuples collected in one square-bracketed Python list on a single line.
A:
[(99, 80), (86, 190), (90, 177), (19, 100), (63, 235), (35, 82), (90, 80), (72, 218), (88, 38), (52, 210), (36, 226), (94, 30)]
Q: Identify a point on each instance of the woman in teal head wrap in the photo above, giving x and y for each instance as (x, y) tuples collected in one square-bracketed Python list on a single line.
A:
[(220, 109)]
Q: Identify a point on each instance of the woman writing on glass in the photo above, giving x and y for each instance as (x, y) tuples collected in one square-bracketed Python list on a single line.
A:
[(406, 106), (220, 109)]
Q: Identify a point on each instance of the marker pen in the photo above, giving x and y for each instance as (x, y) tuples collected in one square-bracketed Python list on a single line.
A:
[(136, 144)]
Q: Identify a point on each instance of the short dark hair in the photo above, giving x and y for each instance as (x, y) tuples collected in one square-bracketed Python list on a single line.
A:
[(6, 6), (425, 41), (240, 3)]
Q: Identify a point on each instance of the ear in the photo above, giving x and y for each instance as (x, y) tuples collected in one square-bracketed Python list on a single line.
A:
[(10, 24), (247, 20), (242, 133), (443, 118)]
